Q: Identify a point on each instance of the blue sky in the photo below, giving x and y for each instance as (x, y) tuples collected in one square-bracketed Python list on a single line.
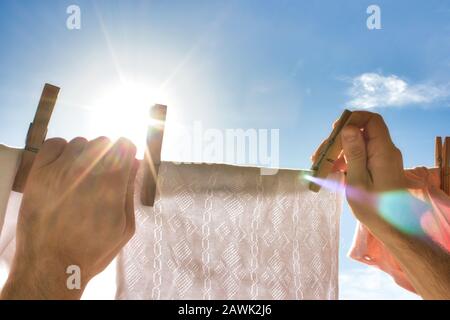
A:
[(289, 65)]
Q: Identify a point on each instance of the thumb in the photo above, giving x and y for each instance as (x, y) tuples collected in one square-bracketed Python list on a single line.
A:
[(354, 148)]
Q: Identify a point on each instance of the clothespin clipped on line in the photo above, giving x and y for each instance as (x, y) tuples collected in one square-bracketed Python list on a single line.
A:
[(442, 161), (36, 134), (323, 165), (152, 159)]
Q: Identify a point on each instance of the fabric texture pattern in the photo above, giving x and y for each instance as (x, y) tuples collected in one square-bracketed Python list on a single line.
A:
[(227, 232)]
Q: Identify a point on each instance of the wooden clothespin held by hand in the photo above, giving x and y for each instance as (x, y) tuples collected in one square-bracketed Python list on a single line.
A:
[(36, 134), (324, 163), (152, 159)]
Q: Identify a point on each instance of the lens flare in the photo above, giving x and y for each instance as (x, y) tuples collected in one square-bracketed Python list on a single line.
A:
[(329, 184), (399, 208), (403, 211)]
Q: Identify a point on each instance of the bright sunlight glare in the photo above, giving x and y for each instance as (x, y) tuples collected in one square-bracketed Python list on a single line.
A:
[(123, 111)]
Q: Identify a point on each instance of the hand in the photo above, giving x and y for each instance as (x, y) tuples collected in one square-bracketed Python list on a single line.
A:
[(77, 210), (375, 166), (372, 162)]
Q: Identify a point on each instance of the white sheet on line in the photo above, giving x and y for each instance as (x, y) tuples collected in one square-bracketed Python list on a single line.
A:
[(226, 232)]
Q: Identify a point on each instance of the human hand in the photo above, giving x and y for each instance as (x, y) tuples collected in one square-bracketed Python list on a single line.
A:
[(77, 210), (373, 164), (374, 167)]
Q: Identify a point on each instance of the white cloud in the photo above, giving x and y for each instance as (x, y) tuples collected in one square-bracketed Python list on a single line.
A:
[(369, 283), (371, 90)]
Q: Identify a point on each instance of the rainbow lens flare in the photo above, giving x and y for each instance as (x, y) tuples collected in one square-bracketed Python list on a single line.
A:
[(329, 184), (402, 210)]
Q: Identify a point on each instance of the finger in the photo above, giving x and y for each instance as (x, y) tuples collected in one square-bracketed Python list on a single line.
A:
[(319, 150), (386, 163), (335, 123), (130, 222), (375, 130), (117, 163), (120, 157), (129, 203), (50, 151), (92, 154), (322, 145), (356, 157), (387, 171), (74, 148)]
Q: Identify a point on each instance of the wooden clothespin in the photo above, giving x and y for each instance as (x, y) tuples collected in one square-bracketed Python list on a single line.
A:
[(446, 165), (324, 163), (36, 134), (442, 161), (438, 160), (152, 159)]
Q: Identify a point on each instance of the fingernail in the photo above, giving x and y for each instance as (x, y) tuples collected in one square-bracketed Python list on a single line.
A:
[(349, 135)]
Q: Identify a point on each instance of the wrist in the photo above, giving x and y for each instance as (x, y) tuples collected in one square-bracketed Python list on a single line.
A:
[(46, 280)]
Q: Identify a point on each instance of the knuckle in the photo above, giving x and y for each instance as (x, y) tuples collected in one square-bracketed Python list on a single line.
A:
[(124, 141), (128, 144), (397, 154), (377, 117), (101, 141), (379, 121), (133, 148), (356, 153), (55, 141), (105, 141), (78, 140)]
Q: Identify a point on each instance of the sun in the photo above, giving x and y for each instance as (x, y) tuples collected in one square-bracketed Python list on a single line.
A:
[(123, 111)]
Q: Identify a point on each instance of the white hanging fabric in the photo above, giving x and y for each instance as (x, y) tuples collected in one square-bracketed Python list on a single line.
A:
[(227, 232)]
